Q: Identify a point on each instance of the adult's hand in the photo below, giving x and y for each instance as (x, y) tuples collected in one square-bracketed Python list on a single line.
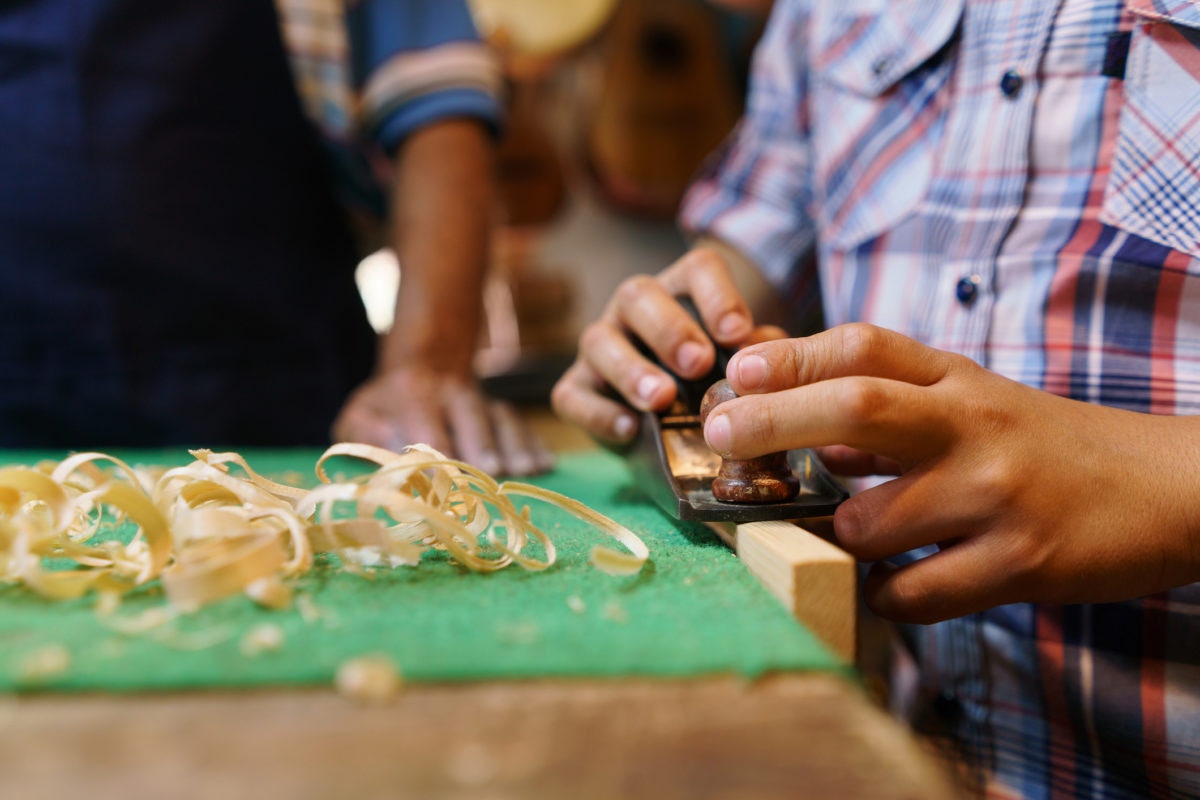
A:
[(424, 389), (446, 411), (1030, 496), (610, 375)]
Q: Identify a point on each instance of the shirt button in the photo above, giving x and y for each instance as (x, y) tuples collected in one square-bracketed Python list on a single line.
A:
[(947, 706), (967, 289), (1010, 83)]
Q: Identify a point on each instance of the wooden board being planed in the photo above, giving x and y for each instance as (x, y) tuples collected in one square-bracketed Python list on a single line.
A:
[(813, 578)]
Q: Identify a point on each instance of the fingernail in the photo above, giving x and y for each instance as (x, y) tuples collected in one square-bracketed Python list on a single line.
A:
[(718, 433), (624, 427), (732, 324), (647, 386), (751, 371), (690, 355), (520, 464), (489, 463)]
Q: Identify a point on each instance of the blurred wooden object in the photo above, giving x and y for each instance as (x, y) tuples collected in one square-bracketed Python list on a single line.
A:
[(532, 183), (815, 580), (531, 37), (721, 738), (534, 34), (528, 307), (667, 100)]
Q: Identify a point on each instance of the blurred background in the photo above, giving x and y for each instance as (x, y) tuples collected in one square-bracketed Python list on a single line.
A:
[(612, 107)]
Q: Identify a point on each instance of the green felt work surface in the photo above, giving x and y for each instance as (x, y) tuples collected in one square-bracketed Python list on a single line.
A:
[(694, 610)]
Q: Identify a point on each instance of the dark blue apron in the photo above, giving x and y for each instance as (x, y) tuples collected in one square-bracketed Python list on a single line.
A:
[(174, 267)]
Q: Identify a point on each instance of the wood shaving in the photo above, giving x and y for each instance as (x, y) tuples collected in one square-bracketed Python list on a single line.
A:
[(369, 679), (270, 593), (261, 639), (615, 612), (43, 663), (215, 528), (310, 612)]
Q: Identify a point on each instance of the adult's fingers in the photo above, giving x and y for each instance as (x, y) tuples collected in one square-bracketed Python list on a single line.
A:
[(474, 441), (521, 450), (360, 423), (364, 420), (421, 424), (842, 351)]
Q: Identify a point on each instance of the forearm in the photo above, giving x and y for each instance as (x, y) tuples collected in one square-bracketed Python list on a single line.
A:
[(440, 223), (1175, 493)]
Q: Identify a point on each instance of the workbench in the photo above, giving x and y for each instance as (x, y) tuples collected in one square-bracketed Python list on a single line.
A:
[(782, 734)]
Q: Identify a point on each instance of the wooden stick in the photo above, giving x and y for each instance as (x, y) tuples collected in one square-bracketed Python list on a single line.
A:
[(813, 578)]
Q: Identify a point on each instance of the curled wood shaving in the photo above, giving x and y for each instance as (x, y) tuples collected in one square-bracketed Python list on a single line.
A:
[(216, 528), (270, 593)]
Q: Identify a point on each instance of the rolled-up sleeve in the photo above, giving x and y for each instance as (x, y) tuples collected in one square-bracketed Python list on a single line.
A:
[(756, 191), (416, 62)]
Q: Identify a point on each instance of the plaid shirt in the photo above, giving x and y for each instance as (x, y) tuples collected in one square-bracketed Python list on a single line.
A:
[(1018, 181), (370, 72)]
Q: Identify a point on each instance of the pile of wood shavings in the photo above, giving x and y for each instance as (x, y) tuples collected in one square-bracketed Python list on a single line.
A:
[(208, 533)]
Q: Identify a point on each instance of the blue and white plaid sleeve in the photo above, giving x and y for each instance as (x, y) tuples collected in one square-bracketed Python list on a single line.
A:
[(414, 62)]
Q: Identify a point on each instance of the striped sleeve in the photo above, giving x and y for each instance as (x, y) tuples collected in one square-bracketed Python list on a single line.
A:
[(755, 192), (415, 62)]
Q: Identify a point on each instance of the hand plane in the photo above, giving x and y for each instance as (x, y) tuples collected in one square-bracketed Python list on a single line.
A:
[(673, 464)]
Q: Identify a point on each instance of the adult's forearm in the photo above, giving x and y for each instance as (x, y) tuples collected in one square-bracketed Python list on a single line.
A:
[(440, 223)]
